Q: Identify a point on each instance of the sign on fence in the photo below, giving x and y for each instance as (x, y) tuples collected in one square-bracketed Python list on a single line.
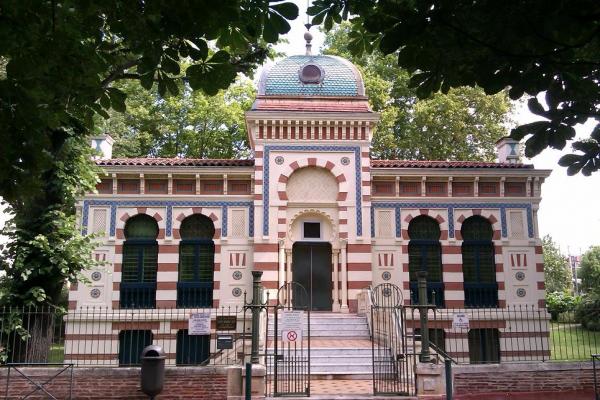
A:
[(199, 324), (291, 326), (460, 321), (226, 322)]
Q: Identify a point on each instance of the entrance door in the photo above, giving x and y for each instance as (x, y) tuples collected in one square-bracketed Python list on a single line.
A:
[(311, 263)]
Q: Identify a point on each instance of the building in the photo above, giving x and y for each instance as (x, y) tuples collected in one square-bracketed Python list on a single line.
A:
[(311, 207)]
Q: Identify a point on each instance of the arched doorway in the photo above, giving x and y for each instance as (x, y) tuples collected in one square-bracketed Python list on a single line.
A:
[(311, 267)]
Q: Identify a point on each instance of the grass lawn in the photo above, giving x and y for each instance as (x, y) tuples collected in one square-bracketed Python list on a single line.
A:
[(572, 342), (57, 353)]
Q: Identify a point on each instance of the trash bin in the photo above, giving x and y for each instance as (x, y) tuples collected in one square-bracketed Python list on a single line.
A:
[(153, 370)]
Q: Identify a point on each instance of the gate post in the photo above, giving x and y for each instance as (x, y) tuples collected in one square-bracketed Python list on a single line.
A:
[(256, 306), (425, 357)]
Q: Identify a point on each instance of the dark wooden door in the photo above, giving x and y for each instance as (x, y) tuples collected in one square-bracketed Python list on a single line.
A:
[(311, 267)]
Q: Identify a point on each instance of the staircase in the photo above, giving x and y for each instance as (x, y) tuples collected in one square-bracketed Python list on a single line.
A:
[(340, 346)]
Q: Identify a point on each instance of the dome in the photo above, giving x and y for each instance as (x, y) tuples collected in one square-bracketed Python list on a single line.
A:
[(309, 75)]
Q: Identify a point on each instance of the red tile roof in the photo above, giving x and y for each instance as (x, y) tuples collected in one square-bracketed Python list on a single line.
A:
[(199, 162), (174, 162), (444, 164)]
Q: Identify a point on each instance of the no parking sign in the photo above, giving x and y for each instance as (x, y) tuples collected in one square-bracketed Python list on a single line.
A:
[(291, 326)]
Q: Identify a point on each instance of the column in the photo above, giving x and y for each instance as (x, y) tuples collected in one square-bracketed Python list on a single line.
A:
[(281, 272), (336, 278), (288, 275), (344, 307)]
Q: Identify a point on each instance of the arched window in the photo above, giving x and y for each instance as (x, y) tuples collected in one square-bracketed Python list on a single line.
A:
[(479, 268), (140, 262), (425, 254), (196, 262)]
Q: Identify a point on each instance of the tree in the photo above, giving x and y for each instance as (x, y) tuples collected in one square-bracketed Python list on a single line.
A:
[(463, 124), (60, 62), (589, 270), (190, 124), (557, 272), (532, 47)]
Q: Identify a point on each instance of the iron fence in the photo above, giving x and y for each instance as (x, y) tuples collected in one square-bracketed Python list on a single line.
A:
[(94, 336), (516, 333)]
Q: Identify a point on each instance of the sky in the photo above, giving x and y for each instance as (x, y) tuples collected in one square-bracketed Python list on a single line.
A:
[(569, 210)]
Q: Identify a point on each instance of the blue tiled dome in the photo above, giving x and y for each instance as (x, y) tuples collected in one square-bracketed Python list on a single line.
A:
[(338, 78)]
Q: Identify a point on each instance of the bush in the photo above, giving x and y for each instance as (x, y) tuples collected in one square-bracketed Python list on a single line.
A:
[(560, 302), (588, 312)]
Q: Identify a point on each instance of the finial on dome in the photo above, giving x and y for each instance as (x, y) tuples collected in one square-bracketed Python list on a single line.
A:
[(308, 37)]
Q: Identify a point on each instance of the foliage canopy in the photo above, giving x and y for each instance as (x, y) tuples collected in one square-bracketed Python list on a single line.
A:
[(531, 47), (463, 124), (557, 272), (589, 270), (59, 61)]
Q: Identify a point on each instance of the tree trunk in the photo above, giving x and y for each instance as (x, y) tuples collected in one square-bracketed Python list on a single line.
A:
[(35, 348)]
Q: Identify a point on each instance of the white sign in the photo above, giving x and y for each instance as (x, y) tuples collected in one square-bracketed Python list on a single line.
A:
[(291, 326), (460, 321), (199, 324)]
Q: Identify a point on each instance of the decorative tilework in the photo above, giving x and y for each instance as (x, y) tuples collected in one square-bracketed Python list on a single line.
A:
[(339, 78), (169, 211), (450, 207), (357, 179), (224, 221)]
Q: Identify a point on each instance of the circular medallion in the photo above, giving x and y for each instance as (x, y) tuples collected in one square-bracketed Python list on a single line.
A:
[(387, 292), (237, 275), (236, 292), (96, 276), (311, 73), (386, 276), (521, 292), (345, 161), (279, 160), (520, 275), (95, 293)]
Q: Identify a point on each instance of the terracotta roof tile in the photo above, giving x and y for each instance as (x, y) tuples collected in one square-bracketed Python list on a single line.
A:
[(444, 164), (174, 162), (199, 162)]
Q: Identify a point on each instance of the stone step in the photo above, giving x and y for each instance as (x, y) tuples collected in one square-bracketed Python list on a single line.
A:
[(326, 351)]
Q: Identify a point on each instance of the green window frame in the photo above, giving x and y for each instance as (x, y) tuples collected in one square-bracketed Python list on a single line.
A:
[(479, 266), (425, 254), (191, 349), (196, 262), (140, 263), (131, 344)]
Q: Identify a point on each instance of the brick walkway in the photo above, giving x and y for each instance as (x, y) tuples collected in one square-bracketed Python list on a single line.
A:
[(341, 386)]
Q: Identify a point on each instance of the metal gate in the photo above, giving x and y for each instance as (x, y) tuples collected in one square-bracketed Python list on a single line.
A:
[(393, 365), (291, 342)]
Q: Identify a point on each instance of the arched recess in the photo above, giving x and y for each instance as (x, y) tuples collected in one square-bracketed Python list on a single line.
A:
[(425, 254), (330, 229), (140, 263), (479, 267), (315, 163), (195, 283)]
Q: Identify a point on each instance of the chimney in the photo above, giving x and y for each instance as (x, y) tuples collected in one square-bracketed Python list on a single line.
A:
[(508, 150), (103, 145)]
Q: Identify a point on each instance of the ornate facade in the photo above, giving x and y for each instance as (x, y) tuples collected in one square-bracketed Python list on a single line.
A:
[(312, 207)]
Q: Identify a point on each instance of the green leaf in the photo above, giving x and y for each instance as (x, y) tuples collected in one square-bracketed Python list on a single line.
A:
[(535, 107), (198, 50), (269, 32), (170, 66), (117, 99), (213, 75), (318, 19), (288, 10)]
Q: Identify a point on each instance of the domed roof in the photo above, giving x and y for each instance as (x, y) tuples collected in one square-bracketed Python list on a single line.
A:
[(309, 75)]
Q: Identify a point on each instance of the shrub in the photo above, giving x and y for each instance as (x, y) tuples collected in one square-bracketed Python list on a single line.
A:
[(588, 312), (560, 302)]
